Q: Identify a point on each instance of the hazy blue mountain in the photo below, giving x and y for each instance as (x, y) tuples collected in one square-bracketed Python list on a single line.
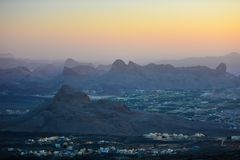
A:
[(73, 63), (151, 77), (9, 61), (232, 60), (104, 67), (21, 80), (120, 77), (72, 111), (46, 72), (81, 70), (14, 74)]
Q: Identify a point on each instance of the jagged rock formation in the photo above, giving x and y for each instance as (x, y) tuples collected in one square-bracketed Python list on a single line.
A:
[(72, 111)]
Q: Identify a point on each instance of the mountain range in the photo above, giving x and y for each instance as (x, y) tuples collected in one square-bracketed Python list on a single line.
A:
[(43, 78), (232, 60), (132, 76)]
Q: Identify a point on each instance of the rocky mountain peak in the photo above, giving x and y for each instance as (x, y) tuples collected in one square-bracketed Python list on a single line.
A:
[(118, 65), (71, 62), (222, 68), (67, 94)]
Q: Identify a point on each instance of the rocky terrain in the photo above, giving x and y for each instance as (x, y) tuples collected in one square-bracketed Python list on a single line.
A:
[(72, 111)]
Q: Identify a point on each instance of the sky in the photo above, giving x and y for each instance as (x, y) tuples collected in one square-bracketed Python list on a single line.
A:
[(104, 30)]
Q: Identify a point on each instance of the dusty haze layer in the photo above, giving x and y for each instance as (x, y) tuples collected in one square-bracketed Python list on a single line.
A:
[(140, 30)]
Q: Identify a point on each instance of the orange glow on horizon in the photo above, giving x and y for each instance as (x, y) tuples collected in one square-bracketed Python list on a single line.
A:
[(159, 26)]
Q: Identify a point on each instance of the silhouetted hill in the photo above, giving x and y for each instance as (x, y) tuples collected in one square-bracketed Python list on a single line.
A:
[(120, 77), (72, 111), (102, 67), (73, 63), (46, 72), (149, 77), (118, 66), (232, 60), (81, 70), (17, 73), (20, 80)]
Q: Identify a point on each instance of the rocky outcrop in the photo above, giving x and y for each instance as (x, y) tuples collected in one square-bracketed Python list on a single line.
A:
[(67, 95)]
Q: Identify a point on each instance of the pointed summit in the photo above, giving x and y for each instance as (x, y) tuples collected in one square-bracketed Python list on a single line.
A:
[(118, 66), (134, 67), (67, 94), (131, 63), (70, 63)]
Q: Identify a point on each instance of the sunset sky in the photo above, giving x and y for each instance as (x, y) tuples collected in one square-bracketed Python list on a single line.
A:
[(103, 30)]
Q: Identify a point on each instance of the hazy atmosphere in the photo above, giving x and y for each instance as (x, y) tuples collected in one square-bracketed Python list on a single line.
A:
[(120, 79), (102, 31)]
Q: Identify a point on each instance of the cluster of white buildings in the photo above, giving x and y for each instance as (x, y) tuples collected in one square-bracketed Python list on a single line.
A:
[(173, 137), (60, 146)]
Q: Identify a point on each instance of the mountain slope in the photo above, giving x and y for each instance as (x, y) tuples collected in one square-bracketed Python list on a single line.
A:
[(151, 77), (73, 63), (232, 60), (72, 111), (120, 77), (20, 80)]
